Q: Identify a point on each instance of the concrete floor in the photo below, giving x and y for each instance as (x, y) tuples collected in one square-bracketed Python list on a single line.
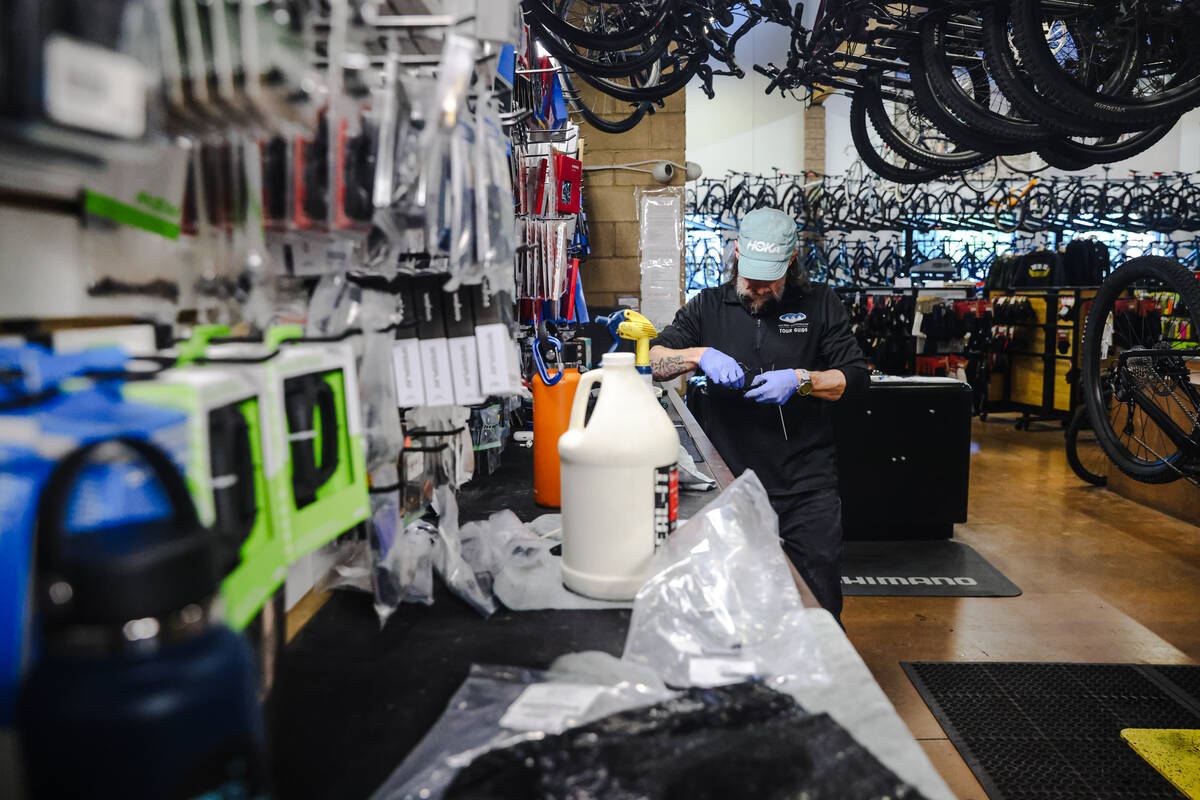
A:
[(1104, 579)]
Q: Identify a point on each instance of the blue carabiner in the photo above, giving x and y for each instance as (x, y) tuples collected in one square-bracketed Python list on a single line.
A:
[(541, 365)]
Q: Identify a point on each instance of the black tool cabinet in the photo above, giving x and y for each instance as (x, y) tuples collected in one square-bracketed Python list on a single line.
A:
[(904, 455)]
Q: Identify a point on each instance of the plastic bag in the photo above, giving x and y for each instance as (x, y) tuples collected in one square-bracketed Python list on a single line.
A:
[(690, 477), (461, 264), (478, 719), (722, 605), (446, 432), (744, 740), (448, 559), (488, 546), (513, 561), (496, 233), (402, 554)]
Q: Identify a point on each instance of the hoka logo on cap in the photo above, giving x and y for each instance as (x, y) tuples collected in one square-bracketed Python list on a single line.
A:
[(792, 318), (764, 247)]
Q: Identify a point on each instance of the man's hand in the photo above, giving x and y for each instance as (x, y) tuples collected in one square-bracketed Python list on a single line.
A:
[(721, 369), (776, 386)]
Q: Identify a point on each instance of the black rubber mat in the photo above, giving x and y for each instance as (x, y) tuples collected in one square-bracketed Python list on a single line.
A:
[(1049, 730), (940, 568)]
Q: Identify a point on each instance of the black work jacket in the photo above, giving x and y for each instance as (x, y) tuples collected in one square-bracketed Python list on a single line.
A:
[(792, 451)]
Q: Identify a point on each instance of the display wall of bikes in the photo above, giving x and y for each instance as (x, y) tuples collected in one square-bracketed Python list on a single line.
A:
[(1162, 203), (936, 89)]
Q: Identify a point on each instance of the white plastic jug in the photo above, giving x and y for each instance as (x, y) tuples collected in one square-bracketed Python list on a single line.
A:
[(620, 483)]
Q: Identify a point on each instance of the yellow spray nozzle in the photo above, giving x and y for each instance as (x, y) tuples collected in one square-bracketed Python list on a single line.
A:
[(637, 327)]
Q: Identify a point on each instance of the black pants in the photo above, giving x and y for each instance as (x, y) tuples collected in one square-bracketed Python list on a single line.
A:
[(810, 525)]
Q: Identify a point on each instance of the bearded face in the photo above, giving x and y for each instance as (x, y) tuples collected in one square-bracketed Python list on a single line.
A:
[(756, 295)]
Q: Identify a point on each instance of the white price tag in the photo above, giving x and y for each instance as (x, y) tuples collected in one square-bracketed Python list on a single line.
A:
[(91, 87), (550, 707), (718, 671)]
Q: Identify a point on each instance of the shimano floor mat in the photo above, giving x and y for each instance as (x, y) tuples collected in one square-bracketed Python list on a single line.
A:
[(940, 568), (1042, 730)]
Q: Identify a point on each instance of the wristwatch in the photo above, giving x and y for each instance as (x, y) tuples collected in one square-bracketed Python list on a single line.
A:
[(806, 384)]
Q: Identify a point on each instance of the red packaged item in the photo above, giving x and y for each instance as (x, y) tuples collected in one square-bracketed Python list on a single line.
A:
[(570, 179)]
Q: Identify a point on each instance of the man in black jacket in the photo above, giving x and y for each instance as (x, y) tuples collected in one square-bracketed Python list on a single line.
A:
[(777, 350)]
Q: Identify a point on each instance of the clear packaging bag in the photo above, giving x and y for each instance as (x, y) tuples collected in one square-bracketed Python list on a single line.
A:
[(496, 235), (722, 605), (500, 706), (402, 555), (461, 263), (448, 558)]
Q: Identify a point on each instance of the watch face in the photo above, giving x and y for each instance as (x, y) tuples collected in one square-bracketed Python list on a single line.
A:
[(805, 389)]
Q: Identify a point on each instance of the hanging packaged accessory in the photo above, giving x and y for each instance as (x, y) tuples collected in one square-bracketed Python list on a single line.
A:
[(461, 342), (431, 331), (499, 360), (569, 174), (406, 348)]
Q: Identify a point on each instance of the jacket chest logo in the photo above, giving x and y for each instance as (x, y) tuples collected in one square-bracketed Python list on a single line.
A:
[(795, 322)]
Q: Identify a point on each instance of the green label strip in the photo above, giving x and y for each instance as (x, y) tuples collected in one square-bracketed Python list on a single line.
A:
[(104, 206)]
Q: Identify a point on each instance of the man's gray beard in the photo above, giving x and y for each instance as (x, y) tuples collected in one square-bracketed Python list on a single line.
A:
[(754, 305)]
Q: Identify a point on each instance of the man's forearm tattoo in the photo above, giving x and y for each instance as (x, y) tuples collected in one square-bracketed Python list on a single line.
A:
[(669, 367)]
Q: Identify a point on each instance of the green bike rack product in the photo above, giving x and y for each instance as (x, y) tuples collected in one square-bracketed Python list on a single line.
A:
[(315, 415), (327, 477), (230, 468)]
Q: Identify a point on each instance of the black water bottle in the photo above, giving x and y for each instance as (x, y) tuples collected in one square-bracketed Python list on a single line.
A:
[(139, 693)]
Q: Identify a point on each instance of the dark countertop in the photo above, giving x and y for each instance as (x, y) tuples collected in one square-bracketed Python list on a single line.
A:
[(351, 700)]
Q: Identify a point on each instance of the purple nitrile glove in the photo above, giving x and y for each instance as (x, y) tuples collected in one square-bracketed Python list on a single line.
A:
[(776, 386), (722, 369)]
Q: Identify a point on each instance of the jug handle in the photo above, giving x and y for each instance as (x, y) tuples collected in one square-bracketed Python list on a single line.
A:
[(582, 391)]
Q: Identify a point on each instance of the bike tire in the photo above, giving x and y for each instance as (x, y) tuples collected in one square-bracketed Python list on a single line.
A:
[(1106, 153), (547, 18), (1018, 87), (591, 117), (971, 141), (977, 116), (866, 150), (1080, 423), (1123, 112), (1180, 281)]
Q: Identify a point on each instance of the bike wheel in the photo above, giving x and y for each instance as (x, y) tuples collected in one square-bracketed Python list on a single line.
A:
[(1084, 454), (969, 91), (572, 96), (1090, 150), (1136, 382), (905, 123), (1127, 63), (1006, 67), (877, 154)]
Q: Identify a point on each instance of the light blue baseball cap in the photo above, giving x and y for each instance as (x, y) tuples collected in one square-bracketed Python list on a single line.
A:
[(766, 241)]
